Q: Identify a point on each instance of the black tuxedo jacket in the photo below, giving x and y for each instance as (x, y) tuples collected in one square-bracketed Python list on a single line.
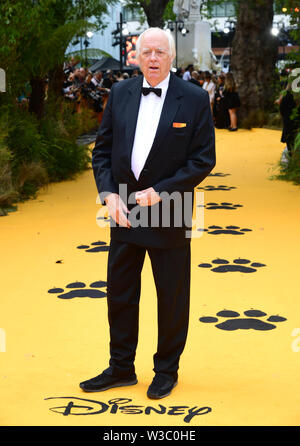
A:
[(180, 157)]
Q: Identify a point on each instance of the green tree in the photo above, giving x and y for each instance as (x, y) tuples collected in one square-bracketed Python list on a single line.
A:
[(35, 35), (39, 145), (156, 11), (292, 8), (254, 54)]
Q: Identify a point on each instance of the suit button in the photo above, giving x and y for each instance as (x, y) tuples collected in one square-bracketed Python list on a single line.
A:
[(145, 170)]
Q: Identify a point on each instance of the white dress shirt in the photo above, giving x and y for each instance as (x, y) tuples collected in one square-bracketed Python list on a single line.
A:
[(146, 126)]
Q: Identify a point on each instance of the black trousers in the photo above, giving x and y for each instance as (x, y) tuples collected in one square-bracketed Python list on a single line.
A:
[(171, 271)]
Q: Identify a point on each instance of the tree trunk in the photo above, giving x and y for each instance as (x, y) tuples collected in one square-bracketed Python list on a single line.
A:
[(254, 54), (37, 96), (56, 80), (154, 10)]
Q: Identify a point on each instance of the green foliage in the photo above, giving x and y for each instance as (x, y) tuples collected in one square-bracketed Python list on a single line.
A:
[(297, 142), (7, 192), (64, 158), (294, 16), (274, 121), (33, 153), (34, 36), (23, 137), (89, 53), (169, 14), (26, 148), (291, 170)]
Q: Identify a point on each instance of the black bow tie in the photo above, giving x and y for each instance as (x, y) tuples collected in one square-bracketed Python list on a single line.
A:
[(146, 91)]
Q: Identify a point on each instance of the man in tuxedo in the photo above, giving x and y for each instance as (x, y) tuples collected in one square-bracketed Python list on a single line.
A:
[(156, 139)]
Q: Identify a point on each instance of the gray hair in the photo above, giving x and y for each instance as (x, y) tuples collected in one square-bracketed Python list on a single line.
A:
[(168, 34)]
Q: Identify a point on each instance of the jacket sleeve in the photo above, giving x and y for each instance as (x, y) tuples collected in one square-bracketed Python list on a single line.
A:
[(201, 157), (101, 155)]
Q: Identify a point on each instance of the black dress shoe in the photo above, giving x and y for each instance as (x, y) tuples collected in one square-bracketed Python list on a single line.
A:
[(161, 386), (105, 382)]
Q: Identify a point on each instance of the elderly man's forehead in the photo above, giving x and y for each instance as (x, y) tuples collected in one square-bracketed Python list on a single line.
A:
[(155, 37)]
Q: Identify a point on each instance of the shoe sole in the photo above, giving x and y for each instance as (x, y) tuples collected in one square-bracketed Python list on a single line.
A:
[(156, 397), (131, 383)]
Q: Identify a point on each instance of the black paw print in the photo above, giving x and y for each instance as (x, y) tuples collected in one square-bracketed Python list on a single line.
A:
[(79, 290), (233, 230), (220, 187), (97, 247), (237, 265), (234, 322), (223, 205), (218, 174)]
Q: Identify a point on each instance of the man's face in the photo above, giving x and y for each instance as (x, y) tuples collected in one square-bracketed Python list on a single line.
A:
[(155, 59)]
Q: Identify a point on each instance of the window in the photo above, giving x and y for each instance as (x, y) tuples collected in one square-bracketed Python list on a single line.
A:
[(230, 10), (131, 15), (218, 11), (225, 9)]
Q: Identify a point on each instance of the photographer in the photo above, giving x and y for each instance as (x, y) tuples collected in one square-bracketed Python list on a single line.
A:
[(91, 94), (69, 89), (97, 80)]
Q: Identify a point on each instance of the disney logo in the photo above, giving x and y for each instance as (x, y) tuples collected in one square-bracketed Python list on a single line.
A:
[(82, 406)]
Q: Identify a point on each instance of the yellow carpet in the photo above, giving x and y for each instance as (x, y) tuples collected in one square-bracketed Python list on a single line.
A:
[(240, 366)]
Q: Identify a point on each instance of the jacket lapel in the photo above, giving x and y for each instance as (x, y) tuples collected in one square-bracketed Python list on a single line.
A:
[(132, 110)]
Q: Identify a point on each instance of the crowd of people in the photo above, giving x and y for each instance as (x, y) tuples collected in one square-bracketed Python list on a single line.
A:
[(223, 94), (82, 85)]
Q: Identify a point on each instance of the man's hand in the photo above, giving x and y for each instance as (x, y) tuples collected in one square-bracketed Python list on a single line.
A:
[(117, 210), (147, 197)]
